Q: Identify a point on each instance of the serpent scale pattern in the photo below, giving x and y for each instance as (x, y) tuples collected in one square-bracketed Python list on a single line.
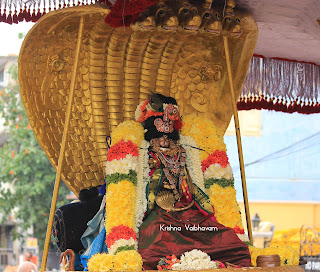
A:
[(164, 52)]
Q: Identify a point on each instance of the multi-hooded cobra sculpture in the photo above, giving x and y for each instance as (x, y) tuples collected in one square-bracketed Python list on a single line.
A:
[(80, 77), (174, 48)]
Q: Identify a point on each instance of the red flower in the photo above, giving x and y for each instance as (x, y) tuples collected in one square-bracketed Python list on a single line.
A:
[(12, 154), (216, 157), (178, 124), (237, 229), (120, 232), (121, 149)]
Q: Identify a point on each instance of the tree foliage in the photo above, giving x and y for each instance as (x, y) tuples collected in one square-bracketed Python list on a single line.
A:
[(26, 175)]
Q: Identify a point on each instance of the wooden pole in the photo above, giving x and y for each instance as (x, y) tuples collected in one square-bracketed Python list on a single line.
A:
[(237, 128), (62, 149)]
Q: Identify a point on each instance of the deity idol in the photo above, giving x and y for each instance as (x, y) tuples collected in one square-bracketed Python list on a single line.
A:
[(179, 215)]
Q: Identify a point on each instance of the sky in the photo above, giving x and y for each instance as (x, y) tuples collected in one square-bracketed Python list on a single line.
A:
[(10, 43), (291, 174)]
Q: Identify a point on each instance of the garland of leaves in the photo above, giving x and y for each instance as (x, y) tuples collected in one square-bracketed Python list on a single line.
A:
[(222, 182), (117, 177)]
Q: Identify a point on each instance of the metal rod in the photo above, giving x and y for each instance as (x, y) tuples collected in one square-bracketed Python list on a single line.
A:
[(62, 149), (237, 128)]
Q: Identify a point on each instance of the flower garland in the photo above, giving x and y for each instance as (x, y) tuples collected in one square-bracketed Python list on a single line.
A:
[(224, 199), (121, 149), (204, 132), (142, 181), (195, 259), (121, 181), (288, 255), (120, 197), (128, 261), (122, 166), (221, 182), (121, 238), (217, 172), (117, 177), (217, 157), (122, 176), (128, 131)]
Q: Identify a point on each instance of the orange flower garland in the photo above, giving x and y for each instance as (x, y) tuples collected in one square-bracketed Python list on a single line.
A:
[(120, 232), (121, 149), (215, 157)]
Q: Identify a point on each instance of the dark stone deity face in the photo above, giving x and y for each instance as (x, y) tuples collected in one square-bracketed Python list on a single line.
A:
[(165, 145)]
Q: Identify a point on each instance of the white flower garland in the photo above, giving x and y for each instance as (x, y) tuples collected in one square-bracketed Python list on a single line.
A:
[(193, 160), (216, 171), (195, 259), (142, 181), (122, 243), (122, 166)]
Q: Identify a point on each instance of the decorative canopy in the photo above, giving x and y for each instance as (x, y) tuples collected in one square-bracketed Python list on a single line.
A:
[(170, 50), (281, 85)]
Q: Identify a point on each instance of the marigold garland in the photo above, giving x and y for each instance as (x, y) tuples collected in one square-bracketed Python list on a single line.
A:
[(226, 207), (121, 149), (205, 133), (128, 131), (97, 260), (120, 197), (128, 261)]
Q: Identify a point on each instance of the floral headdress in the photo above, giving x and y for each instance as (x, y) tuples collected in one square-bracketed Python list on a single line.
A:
[(160, 116)]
